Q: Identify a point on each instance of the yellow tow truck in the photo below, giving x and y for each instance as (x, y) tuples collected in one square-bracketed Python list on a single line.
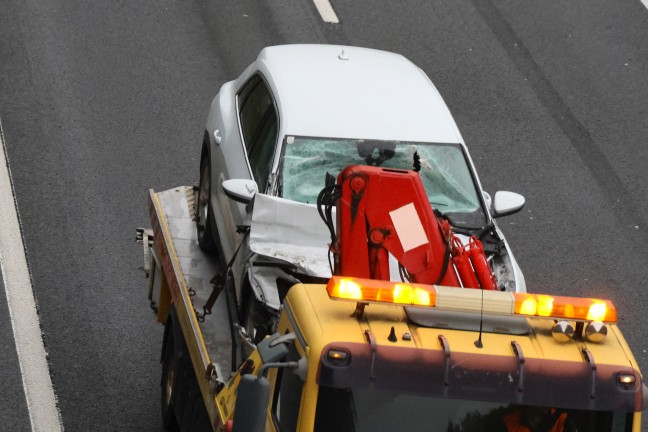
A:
[(358, 354)]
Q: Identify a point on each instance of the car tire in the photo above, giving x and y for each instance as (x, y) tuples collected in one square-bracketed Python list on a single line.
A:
[(204, 212), (169, 383)]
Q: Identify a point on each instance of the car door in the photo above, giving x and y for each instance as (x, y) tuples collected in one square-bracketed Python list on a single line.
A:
[(257, 128), (259, 125)]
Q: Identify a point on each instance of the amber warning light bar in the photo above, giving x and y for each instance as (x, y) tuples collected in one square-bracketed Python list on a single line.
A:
[(471, 300)]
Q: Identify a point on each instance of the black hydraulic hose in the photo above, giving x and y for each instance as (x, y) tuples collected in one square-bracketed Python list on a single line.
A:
[(325, 202)]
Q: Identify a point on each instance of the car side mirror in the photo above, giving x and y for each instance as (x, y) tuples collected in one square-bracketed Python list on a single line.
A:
[(240, 190), (251, 405), (506, 203)]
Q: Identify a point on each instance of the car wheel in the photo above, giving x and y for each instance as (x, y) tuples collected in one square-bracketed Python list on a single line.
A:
[(204, 229), (169, 385)]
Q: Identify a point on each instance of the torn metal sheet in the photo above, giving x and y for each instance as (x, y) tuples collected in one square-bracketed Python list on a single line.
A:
[(290, 231), (264, 282)]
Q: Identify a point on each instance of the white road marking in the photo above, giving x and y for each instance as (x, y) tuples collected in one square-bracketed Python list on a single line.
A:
[(37, 383), (328, 14), (645, 3)]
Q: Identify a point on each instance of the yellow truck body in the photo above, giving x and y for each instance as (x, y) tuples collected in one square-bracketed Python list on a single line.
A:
[(356, 364)]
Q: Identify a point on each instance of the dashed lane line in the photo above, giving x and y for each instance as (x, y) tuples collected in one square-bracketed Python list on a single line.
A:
[(327, 13), (36, 379)]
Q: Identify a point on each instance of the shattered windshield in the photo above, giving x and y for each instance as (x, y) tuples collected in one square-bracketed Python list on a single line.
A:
[(443, 168)]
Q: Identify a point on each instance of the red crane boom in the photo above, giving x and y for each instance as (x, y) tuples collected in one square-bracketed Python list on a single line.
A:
[(385, 211)]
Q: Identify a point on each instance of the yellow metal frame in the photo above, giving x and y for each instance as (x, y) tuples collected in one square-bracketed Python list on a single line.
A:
[(174, 290)]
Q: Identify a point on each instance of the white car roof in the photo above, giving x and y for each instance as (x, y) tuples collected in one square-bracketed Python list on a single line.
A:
[(349, 92)]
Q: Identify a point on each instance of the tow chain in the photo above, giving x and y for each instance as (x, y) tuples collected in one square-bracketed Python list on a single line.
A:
[(220, 278)]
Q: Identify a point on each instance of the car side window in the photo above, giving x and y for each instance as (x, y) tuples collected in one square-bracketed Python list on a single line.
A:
[(258, 119)]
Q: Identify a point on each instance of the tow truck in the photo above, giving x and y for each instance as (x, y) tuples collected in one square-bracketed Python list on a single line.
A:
[(440, 350)]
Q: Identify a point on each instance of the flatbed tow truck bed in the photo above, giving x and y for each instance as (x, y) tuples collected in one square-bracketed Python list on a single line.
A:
[(173, 258)]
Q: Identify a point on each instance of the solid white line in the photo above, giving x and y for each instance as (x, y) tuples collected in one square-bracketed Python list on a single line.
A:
[(37, 383), (645, 3), (326, 11)]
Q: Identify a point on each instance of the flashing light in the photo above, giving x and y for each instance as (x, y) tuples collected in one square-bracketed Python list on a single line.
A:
[(545, 305), (406, 294), (471, 300), (368, 290), (526, 304), (597, 311), (571, 308), (347, 289)]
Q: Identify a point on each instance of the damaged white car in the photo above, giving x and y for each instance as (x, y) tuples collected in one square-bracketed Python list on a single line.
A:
[(302, 111)]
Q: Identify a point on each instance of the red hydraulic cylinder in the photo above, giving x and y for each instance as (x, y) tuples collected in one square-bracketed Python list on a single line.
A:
[(480, 264), (462, 264)]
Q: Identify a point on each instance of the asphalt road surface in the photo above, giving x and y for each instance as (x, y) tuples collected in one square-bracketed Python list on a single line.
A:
[(100, 100)]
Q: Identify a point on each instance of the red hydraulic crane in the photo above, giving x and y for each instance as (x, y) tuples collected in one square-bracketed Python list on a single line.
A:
[(384, 211)]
